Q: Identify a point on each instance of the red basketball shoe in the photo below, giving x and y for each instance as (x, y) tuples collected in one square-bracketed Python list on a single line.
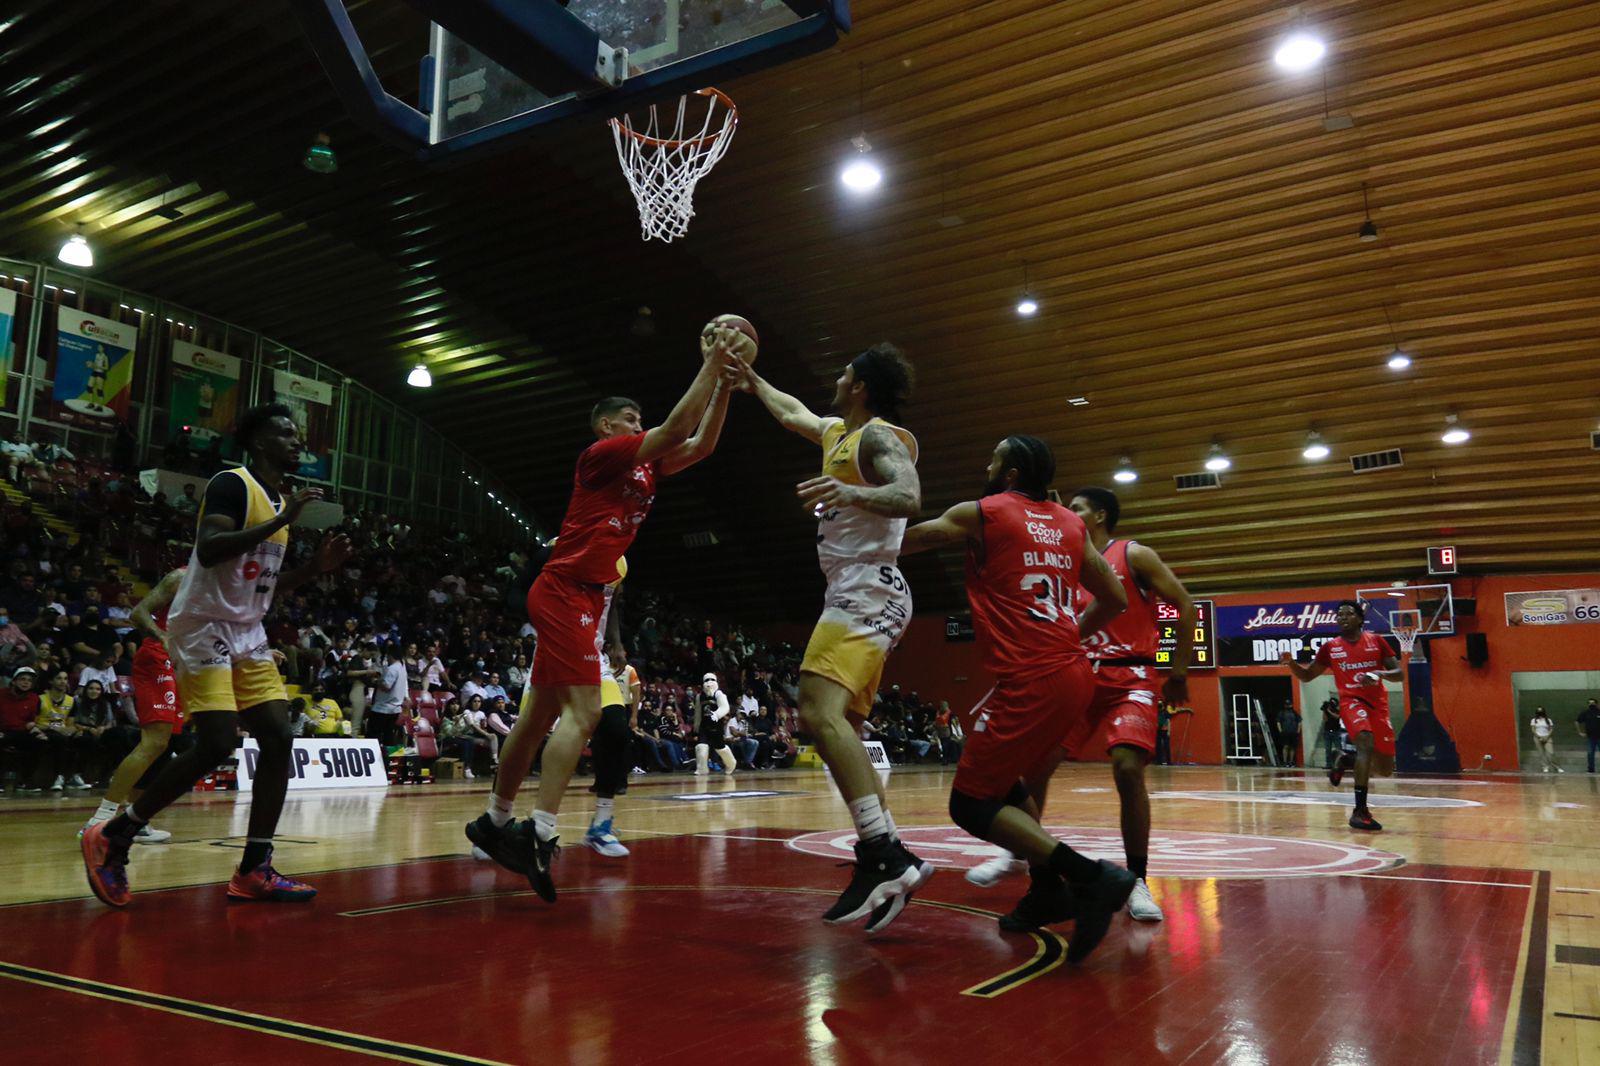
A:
[(267, 885), (105, 866)]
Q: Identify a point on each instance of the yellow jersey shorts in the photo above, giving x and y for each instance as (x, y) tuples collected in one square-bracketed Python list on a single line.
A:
[(223, 666), (864, 615)]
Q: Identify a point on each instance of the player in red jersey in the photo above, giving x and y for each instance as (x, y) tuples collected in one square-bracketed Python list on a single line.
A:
[(612, 490), (1361, 662), (1026, 559), (1123, 717), (155, 702)]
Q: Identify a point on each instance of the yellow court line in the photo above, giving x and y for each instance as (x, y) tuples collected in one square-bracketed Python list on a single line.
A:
[(390, 1050), (1508, 1038)]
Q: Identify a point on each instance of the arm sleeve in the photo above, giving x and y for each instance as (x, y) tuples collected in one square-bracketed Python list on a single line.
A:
[(225, 495), (606, 460)]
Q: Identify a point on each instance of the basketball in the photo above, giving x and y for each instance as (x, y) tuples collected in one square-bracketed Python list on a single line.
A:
[(747, 352)]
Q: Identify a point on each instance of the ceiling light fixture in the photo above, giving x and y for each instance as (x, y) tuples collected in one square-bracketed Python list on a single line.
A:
[(1125, 474), (1369, 229), (1315, 447), (1398, 360), (76, 251), (1026, 305), (1299, 52), (419, 378), (861, 174), (1454, 431), (320, 157), (1216, 459)]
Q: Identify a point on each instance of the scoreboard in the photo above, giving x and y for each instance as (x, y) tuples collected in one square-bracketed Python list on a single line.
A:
[(1204, 656)]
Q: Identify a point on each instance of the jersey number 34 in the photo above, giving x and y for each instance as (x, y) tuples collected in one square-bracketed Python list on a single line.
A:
[(1050, 603)]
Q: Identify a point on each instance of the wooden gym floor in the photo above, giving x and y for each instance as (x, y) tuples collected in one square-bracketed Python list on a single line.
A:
[(1467, 932)]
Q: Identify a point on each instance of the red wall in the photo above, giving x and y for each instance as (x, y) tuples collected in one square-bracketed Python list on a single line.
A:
[(1475, 703)]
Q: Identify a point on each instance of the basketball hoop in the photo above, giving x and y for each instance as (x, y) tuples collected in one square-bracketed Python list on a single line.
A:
[(663, 167), (1406, 625)]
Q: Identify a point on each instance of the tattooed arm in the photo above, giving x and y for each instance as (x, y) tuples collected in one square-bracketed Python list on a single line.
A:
[(897, 493)]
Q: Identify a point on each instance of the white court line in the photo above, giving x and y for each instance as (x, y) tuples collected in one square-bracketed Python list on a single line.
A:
[(1386, 877), (1589, 891), (1440, 880)]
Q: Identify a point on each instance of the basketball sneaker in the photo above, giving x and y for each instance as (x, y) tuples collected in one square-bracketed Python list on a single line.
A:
[(494, 842), (536, 856), (600, 838), (1346, 761), (105, 865), (1097, 902), (149, 834), (1363, 819), (988, 874), (884, 868), (77, 781), (1142, 905), (266, 885), (890, 909), (1046, 902)]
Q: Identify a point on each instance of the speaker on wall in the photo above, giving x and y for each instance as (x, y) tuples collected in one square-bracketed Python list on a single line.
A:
[(1477, 648)]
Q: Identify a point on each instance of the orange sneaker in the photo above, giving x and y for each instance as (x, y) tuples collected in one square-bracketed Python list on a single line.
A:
[(105, 867), (268, 885)]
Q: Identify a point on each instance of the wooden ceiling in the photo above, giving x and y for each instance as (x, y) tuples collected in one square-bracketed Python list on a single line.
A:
[(1187, 216)]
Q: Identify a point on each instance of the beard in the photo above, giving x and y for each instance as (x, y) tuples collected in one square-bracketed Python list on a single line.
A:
[(996, 486)]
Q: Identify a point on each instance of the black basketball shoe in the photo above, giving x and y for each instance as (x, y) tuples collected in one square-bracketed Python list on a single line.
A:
[(1346, 761), (883, 870), (1098, 902), (536, 856), (1363, 819), (1046, 902), (495, 841)]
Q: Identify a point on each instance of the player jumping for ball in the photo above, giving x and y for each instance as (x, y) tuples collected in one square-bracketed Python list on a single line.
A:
[(1361, 662), (867, 490), (612, 490), (1027, 557)]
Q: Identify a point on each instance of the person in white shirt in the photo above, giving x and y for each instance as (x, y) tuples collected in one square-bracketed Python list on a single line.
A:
[(390, 699), (1543, 727), (475, 687)]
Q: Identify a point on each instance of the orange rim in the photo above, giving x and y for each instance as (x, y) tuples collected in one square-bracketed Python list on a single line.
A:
[(662, 142)]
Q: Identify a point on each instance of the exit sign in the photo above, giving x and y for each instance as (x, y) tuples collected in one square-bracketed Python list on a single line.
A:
[(1441, 560)]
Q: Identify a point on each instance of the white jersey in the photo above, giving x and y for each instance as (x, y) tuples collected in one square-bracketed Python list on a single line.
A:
[(237, 590), (847, 535), (607, 673)]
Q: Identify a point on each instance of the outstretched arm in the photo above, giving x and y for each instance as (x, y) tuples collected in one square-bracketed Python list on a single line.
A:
[(898, 493), (704, 441), (960, 523), (1304, 673), (681, 421), (791, 414), (1156, 576)]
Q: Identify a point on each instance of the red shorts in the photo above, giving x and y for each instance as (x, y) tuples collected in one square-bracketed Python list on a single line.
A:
[(1017, 727), (1122, 714), (155, 689), (564, 614), (1359, 716)]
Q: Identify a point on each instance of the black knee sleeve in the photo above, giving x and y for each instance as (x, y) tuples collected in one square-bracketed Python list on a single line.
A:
[(973, 814), (610, 748)]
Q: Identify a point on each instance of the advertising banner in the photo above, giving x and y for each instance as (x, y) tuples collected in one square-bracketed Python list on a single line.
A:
[(93, 371), (8, 316), (312, 404), (321, 762), (205, 391), (1553, 607), (1260, 634)]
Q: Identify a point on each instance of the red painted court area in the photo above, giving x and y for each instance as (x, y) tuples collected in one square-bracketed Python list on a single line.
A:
[(711, 946)]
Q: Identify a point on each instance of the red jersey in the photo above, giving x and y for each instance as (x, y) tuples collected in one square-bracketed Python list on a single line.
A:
[(611, 494), (1021, 582), (1130, 638), (1347, 658)]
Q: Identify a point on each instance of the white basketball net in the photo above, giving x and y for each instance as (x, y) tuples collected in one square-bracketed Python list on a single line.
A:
[(663, 165), (1406, 625)]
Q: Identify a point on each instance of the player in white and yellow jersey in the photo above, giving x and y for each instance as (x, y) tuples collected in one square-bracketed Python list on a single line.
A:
[(225, 671), (612, 737), (867, 489)]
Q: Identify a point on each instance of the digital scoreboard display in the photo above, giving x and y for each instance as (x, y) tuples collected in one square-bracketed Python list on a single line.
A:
[(1441, 560), (1205, 637)]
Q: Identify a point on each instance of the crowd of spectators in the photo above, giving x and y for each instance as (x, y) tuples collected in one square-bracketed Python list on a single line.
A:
[(419, 626)]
